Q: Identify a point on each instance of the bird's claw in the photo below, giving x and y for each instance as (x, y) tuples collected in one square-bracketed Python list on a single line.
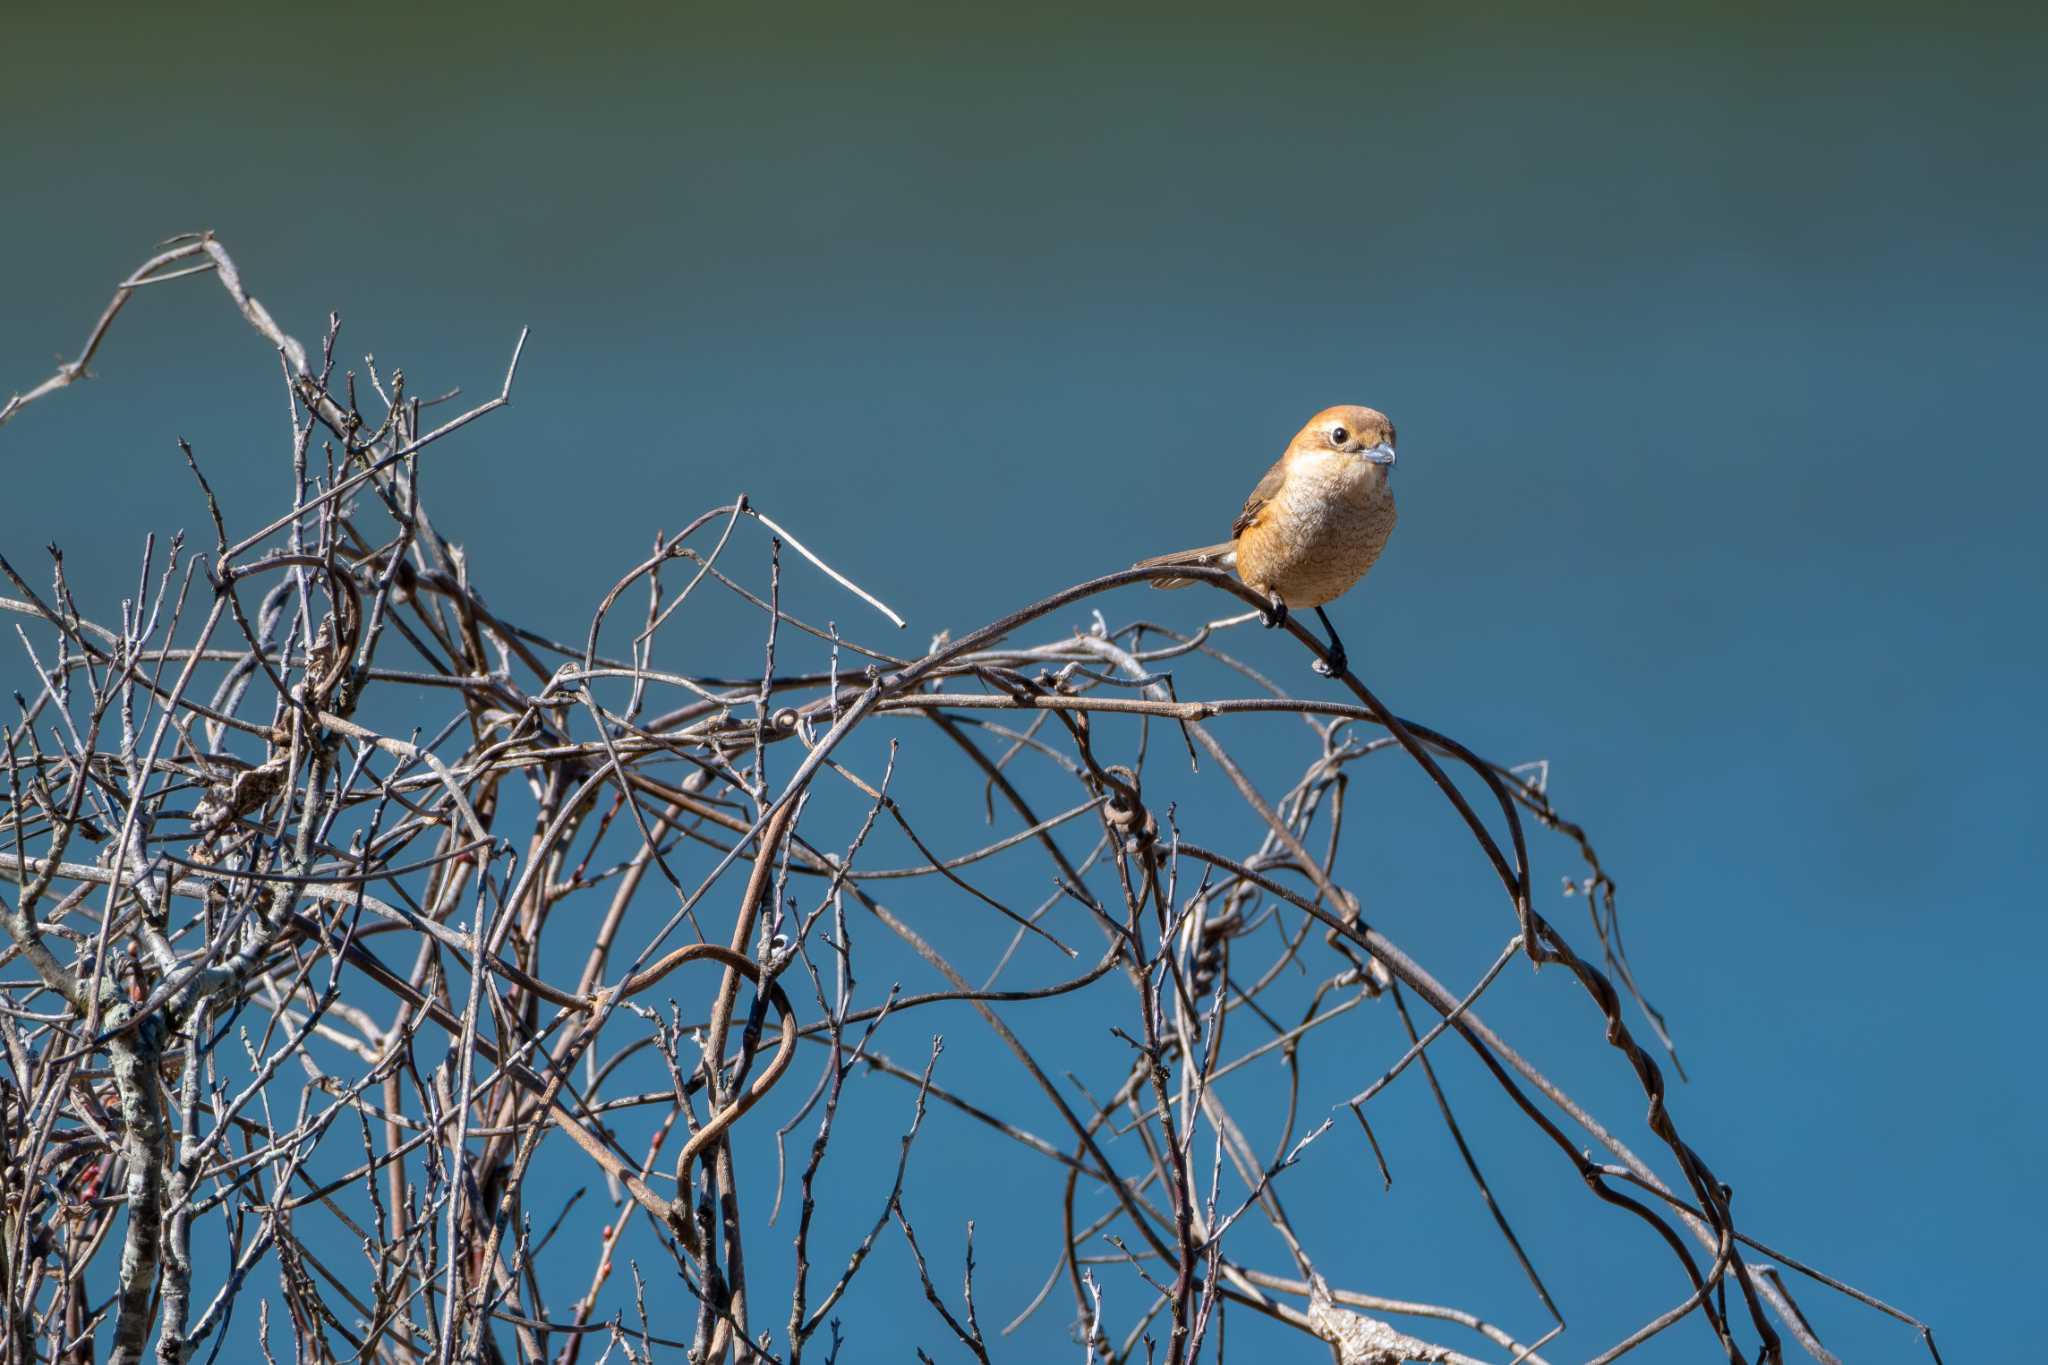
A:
[(1273, 615), (1332, 667)]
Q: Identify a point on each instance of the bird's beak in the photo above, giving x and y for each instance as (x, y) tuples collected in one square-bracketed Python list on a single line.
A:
[(1380, 454)]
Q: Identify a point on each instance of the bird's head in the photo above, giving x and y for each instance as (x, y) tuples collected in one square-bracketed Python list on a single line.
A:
[(1349, 430)]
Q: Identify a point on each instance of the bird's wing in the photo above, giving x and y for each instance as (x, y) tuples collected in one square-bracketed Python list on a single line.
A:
[(1268, 489)]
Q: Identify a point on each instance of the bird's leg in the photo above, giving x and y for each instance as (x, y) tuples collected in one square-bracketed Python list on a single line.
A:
[(1274, 615), (1337, 662)]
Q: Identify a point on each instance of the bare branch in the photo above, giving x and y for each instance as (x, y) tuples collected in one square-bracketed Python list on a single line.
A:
[(289, 847)]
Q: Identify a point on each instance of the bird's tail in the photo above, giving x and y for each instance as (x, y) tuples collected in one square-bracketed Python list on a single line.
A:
[(1222, 556)]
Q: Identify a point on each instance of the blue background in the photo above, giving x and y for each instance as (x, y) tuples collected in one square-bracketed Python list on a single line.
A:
[(1714, 339)]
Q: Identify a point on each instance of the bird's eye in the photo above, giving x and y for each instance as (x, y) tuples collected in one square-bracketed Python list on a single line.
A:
[(1338, 436)]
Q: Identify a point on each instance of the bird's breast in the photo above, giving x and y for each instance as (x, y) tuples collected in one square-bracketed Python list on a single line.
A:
[(1319, 536)]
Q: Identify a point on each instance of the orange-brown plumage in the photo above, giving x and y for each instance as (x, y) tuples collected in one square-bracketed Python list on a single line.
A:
[(1318, 520)]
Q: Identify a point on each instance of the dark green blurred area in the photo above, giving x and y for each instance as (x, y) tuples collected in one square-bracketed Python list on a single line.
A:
[(1713, 336)]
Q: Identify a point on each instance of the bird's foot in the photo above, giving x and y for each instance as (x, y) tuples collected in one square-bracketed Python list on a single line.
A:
[(1274, 614), (1333, 666)]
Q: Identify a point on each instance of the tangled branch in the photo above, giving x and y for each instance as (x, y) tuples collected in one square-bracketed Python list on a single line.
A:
[(311, 802)]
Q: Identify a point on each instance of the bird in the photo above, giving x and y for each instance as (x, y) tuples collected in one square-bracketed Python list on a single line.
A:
[(1313, 526)]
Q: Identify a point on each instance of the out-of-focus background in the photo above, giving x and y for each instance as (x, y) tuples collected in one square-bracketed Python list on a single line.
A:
[(1713, 335)]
